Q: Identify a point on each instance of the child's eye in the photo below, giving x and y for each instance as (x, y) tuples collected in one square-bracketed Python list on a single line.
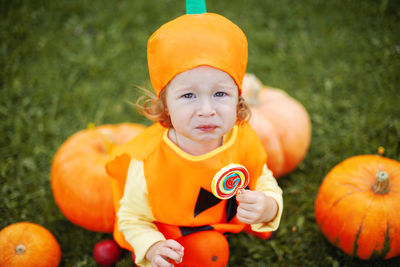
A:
[(188, 95), (219, 94)]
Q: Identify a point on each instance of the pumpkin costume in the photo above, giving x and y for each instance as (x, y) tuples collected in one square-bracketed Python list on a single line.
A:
[(161, 192), (178, 194)]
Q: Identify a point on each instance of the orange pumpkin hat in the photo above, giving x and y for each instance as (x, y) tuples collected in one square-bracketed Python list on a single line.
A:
[(197, 38)]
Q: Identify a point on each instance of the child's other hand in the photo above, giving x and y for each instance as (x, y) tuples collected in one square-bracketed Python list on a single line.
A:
[(255, 207), (162, 252)]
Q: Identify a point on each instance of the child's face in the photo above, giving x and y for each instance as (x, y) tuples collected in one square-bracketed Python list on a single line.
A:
[(202, 103)]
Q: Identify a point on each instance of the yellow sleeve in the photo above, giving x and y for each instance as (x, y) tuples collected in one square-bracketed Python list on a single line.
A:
[(269, 186), (135, 217)]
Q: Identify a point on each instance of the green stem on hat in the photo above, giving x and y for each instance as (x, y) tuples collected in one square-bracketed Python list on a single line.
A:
[(195, 6)]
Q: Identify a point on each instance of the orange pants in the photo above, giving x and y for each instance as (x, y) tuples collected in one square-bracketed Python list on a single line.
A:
[(204, 248), (209, 248)]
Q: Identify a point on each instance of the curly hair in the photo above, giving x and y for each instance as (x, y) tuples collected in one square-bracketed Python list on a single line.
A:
[(156, 109)]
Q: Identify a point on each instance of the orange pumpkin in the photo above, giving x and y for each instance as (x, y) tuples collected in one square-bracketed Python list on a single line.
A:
[(281, 123), (28, 244), (81, 187), (357, 207)]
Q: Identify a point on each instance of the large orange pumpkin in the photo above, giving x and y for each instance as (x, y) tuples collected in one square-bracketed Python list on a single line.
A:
[(28, 244), (281, 123), (358, 204), (81, 187)]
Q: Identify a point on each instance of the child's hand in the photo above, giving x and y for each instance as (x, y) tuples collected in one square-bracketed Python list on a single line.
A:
[(162, 252), (255, 207)]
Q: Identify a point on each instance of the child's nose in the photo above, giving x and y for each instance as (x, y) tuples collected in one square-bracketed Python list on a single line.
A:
[(206, 108)]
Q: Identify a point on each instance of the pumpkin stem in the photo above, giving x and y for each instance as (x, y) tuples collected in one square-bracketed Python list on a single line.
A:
[(20, 249), (109, 139), (110, 143), (382, 185), (91, 126)]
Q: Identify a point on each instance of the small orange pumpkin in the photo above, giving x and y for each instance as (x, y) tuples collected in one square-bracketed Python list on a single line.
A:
[(81, 187), (281, 123), (357, 207), (28, 244)]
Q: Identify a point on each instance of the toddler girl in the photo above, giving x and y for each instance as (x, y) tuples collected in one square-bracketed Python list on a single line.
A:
[(166, 212)]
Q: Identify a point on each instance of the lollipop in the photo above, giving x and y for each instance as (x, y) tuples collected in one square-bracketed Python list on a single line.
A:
[(229, 180)]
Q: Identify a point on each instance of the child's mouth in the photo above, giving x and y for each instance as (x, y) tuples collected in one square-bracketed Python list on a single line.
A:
[(207, 128)]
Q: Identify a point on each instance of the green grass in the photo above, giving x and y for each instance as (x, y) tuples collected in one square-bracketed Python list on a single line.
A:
[(65, 64)]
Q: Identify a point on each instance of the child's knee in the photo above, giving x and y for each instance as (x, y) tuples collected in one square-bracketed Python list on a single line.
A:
[(205, 248)]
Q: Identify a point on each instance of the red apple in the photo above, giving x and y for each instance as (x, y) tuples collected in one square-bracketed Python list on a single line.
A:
[(107, 252)]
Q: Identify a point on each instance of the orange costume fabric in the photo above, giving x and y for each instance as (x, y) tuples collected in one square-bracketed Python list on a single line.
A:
[(179, 190)]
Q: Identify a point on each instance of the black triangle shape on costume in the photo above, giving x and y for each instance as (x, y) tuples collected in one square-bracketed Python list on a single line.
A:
[(191, 230), (205, 200), (231, 208)]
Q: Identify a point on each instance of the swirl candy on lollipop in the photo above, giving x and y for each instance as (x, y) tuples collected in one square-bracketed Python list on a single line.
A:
[(229, 180)]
